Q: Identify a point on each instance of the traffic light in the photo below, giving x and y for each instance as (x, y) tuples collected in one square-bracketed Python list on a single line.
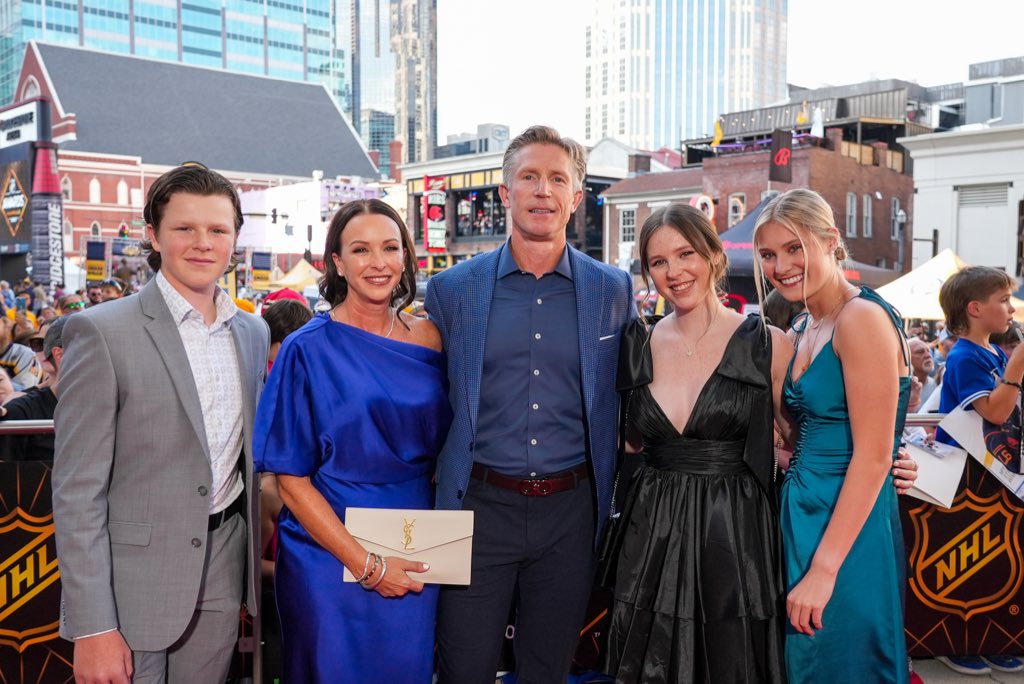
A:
[(124, 232), (273, 215)]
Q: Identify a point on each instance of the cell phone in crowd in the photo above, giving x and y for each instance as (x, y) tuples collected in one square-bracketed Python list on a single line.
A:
[(20, 305)]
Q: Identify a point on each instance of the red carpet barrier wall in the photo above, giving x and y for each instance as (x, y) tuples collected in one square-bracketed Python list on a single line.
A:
[(965, 569)]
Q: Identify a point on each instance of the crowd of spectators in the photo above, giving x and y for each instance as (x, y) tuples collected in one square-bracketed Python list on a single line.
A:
[(32, 317)]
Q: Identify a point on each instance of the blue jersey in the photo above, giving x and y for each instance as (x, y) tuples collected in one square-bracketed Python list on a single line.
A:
[(972, 371)]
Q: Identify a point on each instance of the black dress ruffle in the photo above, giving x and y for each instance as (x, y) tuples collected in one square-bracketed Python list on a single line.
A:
[(699, 593)]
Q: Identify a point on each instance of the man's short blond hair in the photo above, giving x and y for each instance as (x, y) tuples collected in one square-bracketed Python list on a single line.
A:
[(545, 135)]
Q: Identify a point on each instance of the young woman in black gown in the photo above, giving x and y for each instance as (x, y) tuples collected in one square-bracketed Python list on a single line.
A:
[(699, 592)]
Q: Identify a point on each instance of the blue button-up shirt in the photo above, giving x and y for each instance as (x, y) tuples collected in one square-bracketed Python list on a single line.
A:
[(530, 421)]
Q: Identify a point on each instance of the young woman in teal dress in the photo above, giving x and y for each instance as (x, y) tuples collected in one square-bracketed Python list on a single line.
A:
[(847, 389)]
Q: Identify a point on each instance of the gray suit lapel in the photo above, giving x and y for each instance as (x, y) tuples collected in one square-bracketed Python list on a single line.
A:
[(164, 332), (246, 370)]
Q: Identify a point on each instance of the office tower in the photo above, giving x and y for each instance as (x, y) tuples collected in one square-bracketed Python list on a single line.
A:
[(661, 71), (414, 42), (291, 39)]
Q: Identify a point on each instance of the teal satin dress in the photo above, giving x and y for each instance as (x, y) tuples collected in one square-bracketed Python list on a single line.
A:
[(862, 638)]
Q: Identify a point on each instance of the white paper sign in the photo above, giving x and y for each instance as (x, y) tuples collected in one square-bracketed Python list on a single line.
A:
[(967, 428)]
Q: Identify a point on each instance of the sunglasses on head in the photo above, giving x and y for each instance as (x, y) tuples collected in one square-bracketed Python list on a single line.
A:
[(112, 283)]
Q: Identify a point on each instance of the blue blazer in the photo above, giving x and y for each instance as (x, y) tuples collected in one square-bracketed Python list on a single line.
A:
[(459, 302)]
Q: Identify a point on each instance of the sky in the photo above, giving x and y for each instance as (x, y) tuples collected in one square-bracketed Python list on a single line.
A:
[(520, 62)]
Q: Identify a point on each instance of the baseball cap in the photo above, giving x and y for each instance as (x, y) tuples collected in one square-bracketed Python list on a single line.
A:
[(285, 293)]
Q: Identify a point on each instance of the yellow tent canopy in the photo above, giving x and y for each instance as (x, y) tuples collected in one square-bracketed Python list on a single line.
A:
[(916, 294), (302, 275)]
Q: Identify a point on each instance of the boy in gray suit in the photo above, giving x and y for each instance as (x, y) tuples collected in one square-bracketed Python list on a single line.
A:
[(153, 462)]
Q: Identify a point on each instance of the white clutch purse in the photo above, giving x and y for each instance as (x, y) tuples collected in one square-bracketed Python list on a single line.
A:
[(442, 539)]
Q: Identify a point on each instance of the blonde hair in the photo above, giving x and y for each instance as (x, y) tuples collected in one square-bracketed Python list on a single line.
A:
[(545, 135), (806, 213)]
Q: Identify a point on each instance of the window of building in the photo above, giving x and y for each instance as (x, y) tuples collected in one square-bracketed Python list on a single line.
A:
[(122, 193), (737, 208), (604, 78), (65, 188), (627, 225), (851, 214), (894, 219), (479, 213), (94, 191), (30, 89), (768, 194), (68, 231), (94, 229), (867, 230), (587, 80), (622, 76)]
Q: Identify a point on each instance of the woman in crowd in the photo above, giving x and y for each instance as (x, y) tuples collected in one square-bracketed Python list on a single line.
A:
[(698, 586), (354, 414), (847, 387)]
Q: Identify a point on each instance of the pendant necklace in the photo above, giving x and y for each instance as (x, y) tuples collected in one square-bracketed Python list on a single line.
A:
[(816, 326), (391, 328), (691, 350)]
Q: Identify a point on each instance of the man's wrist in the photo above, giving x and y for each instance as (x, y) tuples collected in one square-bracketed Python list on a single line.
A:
[(86, 636)]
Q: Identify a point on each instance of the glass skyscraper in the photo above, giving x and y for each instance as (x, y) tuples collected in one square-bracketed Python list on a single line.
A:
[(291, 39), (662, 71)]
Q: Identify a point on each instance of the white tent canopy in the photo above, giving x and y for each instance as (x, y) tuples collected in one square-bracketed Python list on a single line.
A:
[(302, 275), (916, 294)]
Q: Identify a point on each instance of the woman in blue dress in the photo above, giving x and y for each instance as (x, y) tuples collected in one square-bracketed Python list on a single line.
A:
[(847, 389), (354, 415)]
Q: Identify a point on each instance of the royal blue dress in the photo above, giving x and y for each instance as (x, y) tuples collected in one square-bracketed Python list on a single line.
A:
[(364, 417), (862, 639)]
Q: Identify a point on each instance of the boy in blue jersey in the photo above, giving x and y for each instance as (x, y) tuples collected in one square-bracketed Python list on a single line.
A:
[(980, 377)]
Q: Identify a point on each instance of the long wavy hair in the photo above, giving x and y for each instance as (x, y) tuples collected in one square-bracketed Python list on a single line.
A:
[(333, 286)]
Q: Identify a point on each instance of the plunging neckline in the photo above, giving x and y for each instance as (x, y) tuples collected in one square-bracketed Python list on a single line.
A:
[(789, 374), (700, 394)]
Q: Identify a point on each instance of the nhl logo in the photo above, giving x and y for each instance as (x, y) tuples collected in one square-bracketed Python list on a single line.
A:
[(24, 576), (969, 564)]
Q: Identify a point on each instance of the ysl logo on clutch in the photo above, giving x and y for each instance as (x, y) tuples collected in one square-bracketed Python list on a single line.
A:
[(407, 534)]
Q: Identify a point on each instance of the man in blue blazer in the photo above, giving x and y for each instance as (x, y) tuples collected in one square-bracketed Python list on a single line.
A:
[(532, 334)]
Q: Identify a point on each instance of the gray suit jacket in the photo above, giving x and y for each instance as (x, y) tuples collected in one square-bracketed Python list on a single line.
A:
[(131, 470)]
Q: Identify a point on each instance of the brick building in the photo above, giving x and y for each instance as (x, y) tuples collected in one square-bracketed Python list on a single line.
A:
[(118, 133), (865, 185)]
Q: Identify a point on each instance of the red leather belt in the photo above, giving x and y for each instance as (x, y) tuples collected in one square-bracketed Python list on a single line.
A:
[(538, 486)]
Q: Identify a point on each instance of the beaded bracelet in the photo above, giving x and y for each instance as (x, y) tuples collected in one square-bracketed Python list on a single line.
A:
[(366, 567), (372, 570), (383, 571), (1012, 383)]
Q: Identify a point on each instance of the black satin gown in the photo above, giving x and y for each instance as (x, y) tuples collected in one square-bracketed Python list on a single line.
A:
[(699, 594)]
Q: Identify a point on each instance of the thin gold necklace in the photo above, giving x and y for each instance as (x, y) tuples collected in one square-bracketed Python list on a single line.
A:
[(691, 350), (816, 326), (391, 328)]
